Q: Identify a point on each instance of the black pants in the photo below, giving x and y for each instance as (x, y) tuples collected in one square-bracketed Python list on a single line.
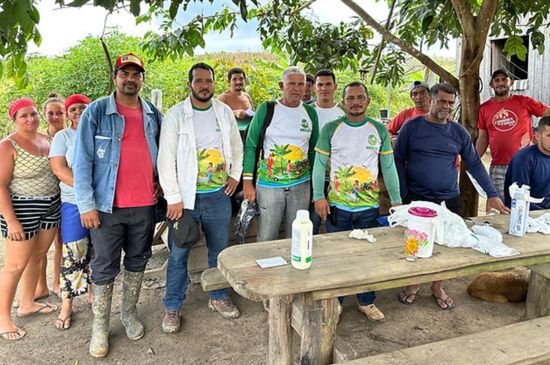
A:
[(453, 204), (128, 229)]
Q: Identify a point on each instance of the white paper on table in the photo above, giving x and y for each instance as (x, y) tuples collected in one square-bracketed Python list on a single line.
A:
[(271, 262)]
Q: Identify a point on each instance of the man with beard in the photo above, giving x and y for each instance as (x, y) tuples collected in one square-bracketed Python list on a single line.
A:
[(419, 93), (355, 145), (425, 156), (198, 135), (236, 98), (115, 188), (504, 125)]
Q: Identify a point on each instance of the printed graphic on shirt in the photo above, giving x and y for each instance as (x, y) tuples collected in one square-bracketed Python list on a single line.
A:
[(353, 187), (284, 164), (505, 120), (212, 175), (285, 161)]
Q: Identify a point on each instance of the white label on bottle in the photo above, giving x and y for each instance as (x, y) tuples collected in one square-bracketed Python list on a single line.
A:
[(297, 254)]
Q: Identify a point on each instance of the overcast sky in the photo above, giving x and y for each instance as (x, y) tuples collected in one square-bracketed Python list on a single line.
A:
[(63, 28)]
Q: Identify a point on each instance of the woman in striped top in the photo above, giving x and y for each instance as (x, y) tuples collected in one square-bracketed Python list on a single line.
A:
[(29, 214)]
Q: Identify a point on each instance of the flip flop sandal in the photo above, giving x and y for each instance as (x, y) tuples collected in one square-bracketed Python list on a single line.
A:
[(64, 324), (19, 334), (45, 308), (444, 304), (16, 303), (407, 298)]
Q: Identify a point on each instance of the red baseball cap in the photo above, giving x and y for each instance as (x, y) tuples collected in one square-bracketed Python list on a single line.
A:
[(128, 59)]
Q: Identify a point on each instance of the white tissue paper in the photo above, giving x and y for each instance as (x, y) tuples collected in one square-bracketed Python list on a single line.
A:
[(362, 235)]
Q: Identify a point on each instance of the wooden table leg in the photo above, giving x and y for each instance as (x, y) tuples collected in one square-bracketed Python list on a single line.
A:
[(538, 294), (280, 332), (318, 327)]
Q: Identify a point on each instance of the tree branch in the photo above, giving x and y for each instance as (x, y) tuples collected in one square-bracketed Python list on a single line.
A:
[(389, 36), (482, 25), (382, 43), (465, 16)]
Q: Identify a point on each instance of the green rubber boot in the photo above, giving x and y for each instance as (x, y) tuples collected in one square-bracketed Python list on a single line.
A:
[(101, 307), (131, 286)]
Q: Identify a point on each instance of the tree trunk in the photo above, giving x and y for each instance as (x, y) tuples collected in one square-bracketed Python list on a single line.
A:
[(469, 102)]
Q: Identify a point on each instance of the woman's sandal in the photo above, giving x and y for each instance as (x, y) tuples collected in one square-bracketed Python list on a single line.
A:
[(13, 335), (63, 324)]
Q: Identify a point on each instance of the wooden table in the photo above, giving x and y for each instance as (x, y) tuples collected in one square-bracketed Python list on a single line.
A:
[(344, 266)]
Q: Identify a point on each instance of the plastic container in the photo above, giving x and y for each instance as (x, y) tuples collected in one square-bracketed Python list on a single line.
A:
[(519, 211), (302, 241), (420, 233)]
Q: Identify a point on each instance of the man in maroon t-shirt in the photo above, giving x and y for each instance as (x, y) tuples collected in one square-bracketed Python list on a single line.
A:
[(504, 125)]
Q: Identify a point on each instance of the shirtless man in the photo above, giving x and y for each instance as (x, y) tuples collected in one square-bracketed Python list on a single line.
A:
[(236, 98)]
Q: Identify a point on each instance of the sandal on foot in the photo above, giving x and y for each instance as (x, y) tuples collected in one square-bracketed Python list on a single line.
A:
[(43, 296), (63, 323), (407, 298), (444, 303), (45, 308), (13, 335)]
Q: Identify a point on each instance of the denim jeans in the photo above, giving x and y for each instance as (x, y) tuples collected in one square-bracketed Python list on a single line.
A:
[(213, 212), (274, 203), (345, 221)]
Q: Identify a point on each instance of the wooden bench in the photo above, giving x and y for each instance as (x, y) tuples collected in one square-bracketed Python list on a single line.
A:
[(212, 279), (519, 343)]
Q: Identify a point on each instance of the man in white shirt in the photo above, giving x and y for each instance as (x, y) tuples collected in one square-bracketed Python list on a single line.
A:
[(200, 164), (327, 110)]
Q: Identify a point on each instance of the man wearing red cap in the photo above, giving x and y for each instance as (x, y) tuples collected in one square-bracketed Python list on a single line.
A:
[(504, 125), (115, 188)]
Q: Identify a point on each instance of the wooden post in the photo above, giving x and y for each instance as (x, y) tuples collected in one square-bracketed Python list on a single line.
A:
[(318, 327), (538, 294), (280, 332)]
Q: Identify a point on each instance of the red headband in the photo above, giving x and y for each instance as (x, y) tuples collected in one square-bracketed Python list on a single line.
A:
[(18, 104), (76, 99)]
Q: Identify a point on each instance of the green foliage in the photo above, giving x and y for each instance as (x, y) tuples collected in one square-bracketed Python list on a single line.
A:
[(83, 69)]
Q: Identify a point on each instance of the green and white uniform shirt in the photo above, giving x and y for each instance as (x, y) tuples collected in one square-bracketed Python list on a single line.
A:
[(328, 114), (354, 150), (212, 174), (286, 144)]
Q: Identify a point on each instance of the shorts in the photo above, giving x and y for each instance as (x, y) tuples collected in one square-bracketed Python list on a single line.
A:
[(498, 174), (71, 228), (34, 213)]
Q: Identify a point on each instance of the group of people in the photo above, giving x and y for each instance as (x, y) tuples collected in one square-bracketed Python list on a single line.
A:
[(103, 176)]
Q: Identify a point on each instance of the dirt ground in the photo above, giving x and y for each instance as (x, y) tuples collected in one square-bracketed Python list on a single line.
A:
[(206, 338)]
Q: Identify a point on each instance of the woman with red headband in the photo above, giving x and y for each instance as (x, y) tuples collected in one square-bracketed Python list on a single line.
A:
[(29, 214), (75, 270)]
